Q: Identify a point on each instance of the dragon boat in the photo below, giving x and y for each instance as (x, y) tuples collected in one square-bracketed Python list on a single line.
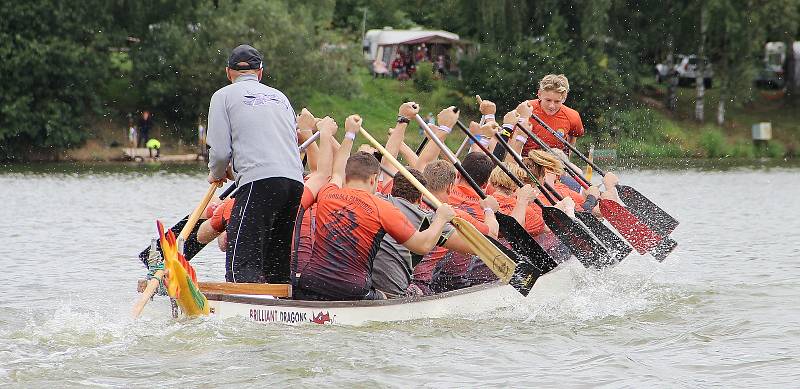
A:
[(271, 303)]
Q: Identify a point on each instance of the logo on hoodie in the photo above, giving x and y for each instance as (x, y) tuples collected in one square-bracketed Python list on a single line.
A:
[(257, 99)]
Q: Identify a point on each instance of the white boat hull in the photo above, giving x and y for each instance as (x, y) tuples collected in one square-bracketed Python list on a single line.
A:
[(472, 300)]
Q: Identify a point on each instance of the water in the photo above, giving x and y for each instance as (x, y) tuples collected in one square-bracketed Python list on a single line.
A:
[(721, 311)]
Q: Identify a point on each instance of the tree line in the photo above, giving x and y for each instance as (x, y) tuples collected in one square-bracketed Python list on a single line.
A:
[(65, 64)]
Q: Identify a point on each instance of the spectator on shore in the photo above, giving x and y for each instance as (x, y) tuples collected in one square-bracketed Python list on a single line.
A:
[(398, 66), (132, 135), (145, 125), (379, 68), (153, 145)]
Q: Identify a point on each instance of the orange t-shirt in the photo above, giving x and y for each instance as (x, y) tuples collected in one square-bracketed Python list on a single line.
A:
[(565, 191), (566, 122), (219, 220), (534, 223), (350, 224), (464, 197)]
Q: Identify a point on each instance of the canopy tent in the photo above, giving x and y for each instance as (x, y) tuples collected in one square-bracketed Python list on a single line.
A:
[(386, 43)]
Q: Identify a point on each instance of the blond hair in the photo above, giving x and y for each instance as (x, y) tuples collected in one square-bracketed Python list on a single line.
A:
[(540, 162), (501, 181), (439, 175), (554, 83)]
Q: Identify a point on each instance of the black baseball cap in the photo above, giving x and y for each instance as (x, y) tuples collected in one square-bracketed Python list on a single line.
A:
[(245, 53)]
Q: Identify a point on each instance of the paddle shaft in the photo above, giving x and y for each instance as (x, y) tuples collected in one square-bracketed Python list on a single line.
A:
[(577, 176), (500, 163), (569, 145), (453, 159), (545, 188), (309, 141)]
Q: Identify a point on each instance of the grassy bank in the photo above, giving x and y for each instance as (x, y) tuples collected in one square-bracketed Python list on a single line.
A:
[(653, 132)]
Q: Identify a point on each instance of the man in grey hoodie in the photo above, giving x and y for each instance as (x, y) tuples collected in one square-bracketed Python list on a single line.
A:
[(253, 139)]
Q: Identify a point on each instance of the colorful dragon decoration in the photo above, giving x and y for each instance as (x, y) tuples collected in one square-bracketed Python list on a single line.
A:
[(180, 278)]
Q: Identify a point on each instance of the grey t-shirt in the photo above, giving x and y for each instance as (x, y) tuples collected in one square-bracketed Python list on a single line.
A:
[(252, 126), (393, 264)]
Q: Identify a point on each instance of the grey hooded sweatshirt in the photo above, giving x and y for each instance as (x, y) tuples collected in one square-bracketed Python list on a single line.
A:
[(252, 126)]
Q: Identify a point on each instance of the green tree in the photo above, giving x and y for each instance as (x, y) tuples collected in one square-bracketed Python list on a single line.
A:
[(54, 59), (178, 66)]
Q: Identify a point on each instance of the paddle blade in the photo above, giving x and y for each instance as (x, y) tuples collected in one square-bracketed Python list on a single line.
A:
[(495, 259), (656, 218), (522, 242), (637, 233), (525, 273), (617, 247), (579, 241), (663, 249)]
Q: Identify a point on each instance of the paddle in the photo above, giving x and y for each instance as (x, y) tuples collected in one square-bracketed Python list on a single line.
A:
[(579, 241), (190, 246), (656, 218), (521, 274), (609, 239), (152, 284), (511, 230), (636, 232)]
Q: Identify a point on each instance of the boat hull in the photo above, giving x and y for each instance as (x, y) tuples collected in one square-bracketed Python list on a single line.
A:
[(464, 302)]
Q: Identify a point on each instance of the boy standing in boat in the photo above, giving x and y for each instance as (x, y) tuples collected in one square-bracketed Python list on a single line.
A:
[(549, 106), (351, 221), (251, 127)]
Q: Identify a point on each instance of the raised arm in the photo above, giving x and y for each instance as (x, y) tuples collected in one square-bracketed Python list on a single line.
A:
[(446, 119), (518, 139), (306, 122), (409, 155), (406, 113), (351, 125), (327, 128)]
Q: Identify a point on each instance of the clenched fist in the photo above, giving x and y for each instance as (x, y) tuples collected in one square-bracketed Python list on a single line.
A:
[(409, 110), (447, 117)]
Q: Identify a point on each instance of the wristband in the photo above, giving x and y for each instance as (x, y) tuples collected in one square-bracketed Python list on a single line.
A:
[(484, 141), (402, 119), (521, 138), (488, 210), (509, 127), (350, 135), (488, 116), (444, 128), (590, 202)]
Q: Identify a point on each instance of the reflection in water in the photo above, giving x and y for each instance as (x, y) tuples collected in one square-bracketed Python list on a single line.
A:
[(718, 311)]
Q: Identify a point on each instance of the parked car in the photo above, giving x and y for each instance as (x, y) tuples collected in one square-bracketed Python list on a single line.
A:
[(771, 75), (686, 70)]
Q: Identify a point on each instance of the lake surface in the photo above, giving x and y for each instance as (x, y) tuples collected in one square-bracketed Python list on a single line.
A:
[(721, 311)]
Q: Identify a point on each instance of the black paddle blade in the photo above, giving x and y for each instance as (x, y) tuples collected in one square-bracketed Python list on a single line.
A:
[(190, 247), (582, 244), (656, 218), (619, 249), (525, 274), (523, 243), (663, 249)]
